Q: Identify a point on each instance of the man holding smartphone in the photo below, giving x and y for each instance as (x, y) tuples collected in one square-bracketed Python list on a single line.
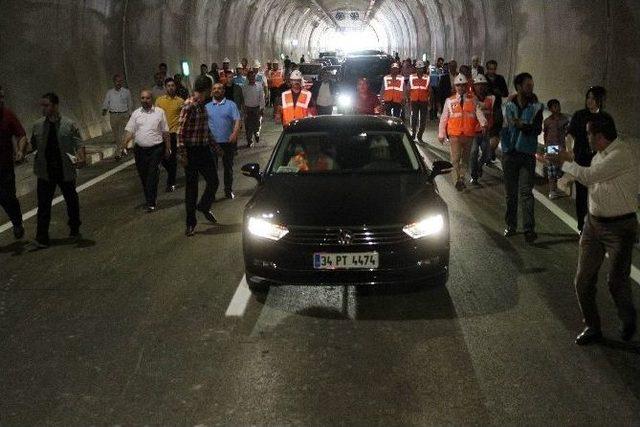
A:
[(555, 129)]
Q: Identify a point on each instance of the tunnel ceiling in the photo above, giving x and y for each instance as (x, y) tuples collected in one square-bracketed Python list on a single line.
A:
[(568, 45)]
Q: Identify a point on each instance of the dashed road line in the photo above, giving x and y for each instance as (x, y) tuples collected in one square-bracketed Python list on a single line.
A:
[(79, 188), (240, 300)]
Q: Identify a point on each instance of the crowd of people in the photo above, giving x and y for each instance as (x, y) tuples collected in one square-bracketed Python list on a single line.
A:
[(472, 105)]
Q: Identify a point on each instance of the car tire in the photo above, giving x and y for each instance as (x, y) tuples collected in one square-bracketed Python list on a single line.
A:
[(257, 287)]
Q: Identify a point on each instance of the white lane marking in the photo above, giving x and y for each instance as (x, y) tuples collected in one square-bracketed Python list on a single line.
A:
[(240, 300), (80, 188), (562, 215)]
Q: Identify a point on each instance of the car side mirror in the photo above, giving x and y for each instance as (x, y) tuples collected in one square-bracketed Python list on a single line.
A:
[(252, 170), (440, 167)]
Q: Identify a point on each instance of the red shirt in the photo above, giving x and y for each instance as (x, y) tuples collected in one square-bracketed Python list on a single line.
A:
[(368, 104), (9, 127)]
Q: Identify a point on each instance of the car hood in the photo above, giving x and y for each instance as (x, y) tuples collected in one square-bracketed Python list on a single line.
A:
[(342, 200)]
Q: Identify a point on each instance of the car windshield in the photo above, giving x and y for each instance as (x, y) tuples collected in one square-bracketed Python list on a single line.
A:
[(332, 152)]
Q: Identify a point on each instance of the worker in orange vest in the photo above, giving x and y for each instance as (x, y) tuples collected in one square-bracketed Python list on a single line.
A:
[(393, 92), (461, 116), (275, 80), (295, 101), (419, 96)]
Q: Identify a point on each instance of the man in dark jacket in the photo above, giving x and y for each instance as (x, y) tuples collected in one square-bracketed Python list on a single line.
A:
[(323, 94), (57, 140)]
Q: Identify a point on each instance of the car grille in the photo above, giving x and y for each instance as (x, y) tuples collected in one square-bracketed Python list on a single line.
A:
[(345, 236)]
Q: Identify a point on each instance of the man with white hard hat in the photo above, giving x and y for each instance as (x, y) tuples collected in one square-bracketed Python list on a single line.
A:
[(295, 101), (393, 92), (226, 63), (492, 110), (419, 95), (461, 117)]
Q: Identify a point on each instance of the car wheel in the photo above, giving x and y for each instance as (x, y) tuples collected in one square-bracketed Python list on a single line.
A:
[(257, 287)]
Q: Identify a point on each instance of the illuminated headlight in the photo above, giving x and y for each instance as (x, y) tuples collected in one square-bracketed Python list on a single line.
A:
[(261, 228), (345, 101), (427, 227)]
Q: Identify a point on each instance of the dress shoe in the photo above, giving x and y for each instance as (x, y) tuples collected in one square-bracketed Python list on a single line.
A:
[(460, 185), (530, 236), (209, 216), (170, 188), (41, 242), (421, 141), (190, 231), (588, 336), (151, 209), (229, 195), (18, 232), (74, 233), (508, 232), (628, 331)]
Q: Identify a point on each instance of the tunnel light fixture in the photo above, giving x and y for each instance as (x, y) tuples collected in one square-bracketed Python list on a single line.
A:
[(424, 57), (185, 68), (282, 56), (294, 42)]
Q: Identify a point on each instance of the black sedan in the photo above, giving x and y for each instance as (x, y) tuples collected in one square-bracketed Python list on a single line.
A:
[(345, 200)]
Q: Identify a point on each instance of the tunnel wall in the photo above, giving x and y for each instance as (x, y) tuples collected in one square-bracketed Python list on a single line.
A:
[(73, 47)]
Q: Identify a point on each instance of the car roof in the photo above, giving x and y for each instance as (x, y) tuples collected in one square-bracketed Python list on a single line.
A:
[(348, 123)]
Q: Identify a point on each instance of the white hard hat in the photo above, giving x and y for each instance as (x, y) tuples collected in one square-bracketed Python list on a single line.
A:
[(395, 65), (257, 64), (295, 75), (275, 61), (480, 78), (240, 65), (419, 64), (460, 79), (227, 60)]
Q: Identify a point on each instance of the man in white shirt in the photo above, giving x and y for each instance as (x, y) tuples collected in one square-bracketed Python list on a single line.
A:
[(149, 129), (323, 93), (118, 103), (610, 227), (253, 95)]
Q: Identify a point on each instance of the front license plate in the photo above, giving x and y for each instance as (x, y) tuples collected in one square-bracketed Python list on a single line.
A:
[(346, 261)]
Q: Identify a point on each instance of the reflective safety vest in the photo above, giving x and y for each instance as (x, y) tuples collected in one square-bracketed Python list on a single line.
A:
[(462, 117), (393, 89), (487, 110), (419, 88), (292, 112), (276, 78)]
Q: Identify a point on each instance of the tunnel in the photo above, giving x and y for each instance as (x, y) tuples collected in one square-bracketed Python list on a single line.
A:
[(73, 47)]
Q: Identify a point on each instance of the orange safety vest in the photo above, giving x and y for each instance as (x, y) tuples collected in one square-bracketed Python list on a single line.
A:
[(487, 109), (302, 163), (462, 118), (419, 88), (276, 79), (393, 89), (292, 112)]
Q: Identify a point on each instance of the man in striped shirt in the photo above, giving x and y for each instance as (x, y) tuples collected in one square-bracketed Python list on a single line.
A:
[(195, 148)]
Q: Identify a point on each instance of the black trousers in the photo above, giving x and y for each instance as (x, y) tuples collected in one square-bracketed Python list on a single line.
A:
[(200, 161), (325, 111), (519, 171), (46, 190), (148, 164), (8, 199), (171, 164), (616, 239), (582, 204), (419, 115), (252, 124), (228, 154), (393, 109), (274, 93)]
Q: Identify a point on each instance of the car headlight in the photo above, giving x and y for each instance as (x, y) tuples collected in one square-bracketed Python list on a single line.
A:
[(262, 228), (345, 101), (427, 227)]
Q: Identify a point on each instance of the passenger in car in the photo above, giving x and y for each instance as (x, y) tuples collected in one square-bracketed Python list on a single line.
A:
[(380, 155), (310, 158)]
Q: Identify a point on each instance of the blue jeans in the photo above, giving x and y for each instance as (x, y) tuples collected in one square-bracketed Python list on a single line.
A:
[(476, 161)]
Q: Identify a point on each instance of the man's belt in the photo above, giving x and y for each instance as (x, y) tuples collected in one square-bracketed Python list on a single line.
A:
[(607, 219)]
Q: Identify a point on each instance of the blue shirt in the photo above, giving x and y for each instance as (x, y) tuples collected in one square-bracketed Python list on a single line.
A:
[(240, 80), (222, 118)]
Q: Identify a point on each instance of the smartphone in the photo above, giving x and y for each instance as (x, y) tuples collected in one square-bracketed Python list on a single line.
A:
[(553, 149)]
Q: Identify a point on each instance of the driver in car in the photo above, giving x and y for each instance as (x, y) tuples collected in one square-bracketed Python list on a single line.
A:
[(310, 158), (380, 155)]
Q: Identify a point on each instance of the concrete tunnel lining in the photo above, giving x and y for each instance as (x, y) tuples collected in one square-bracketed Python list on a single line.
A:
[(74, 47)]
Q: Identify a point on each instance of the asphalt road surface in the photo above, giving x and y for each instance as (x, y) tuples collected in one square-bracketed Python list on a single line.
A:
[(138, 325)]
